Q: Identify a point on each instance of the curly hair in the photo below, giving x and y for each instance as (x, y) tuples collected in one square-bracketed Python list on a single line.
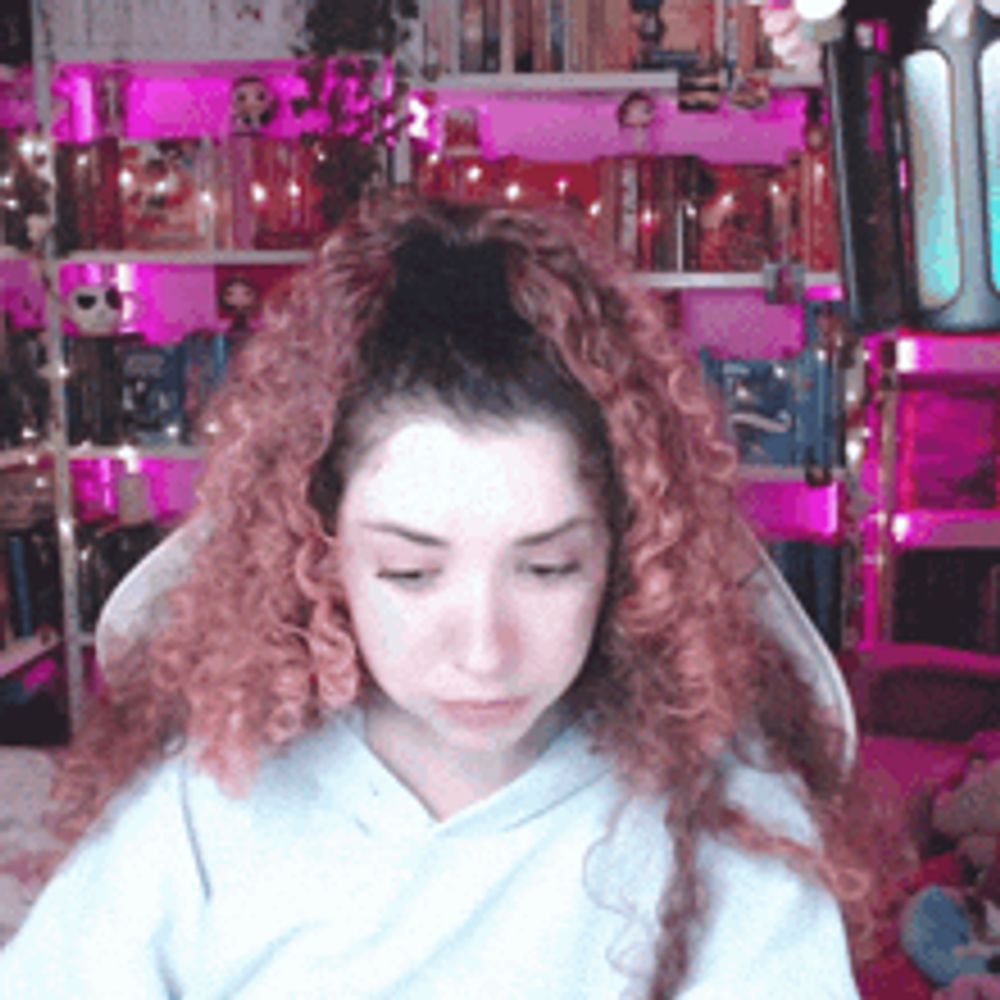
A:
[(260, 650)]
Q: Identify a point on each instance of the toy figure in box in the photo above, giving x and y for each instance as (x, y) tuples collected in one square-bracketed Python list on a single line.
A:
[(151, 392), (238, 301), (161, 203), (759, 398), (206, 357), (254, 105), (784, 411)]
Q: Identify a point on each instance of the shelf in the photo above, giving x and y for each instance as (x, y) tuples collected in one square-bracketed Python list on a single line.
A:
[(943, 357), (241, 258), (946, 529), (547, 83), (725, 280), (135, 452), (22, 651), (784, 507), (15, 458), (590, 82)]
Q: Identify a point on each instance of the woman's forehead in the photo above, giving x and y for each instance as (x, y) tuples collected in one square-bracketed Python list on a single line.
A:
[(437, 469)]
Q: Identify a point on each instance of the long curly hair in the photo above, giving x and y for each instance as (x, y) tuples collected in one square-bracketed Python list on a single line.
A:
[(490, 311)]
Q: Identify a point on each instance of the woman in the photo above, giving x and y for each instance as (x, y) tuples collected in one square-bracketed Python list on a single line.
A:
[(461, 693)]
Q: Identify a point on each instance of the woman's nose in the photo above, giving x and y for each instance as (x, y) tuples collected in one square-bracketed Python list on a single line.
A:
[(485, 636)]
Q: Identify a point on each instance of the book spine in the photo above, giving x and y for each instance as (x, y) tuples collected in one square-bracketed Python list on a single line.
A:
[(22, 621), (540, 62), (524, 51), (491, 35), (557, 26), (472, 36), (508, 36), (576, 35)]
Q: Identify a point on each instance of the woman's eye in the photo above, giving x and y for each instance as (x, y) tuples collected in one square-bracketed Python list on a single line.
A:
[(407, 577), (548, 571)]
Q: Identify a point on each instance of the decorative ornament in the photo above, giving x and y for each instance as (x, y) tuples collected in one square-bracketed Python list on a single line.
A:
[(238, 299), (636, 115), (95, 309), (254, 104)]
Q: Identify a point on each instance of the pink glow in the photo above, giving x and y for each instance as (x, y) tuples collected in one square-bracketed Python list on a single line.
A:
[(951, 529), (17, 107), (740, 323), (793, 510), (181, 101), (172, 483), (547, 127), (940, 356)]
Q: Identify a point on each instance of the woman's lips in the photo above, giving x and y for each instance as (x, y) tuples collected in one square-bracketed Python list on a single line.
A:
[(484, 714)]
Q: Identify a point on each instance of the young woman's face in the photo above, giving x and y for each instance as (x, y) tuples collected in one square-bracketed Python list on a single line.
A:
[(474, 562)]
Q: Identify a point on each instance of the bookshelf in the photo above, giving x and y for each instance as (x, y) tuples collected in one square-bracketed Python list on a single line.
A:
[(934, 536), (180, 91)]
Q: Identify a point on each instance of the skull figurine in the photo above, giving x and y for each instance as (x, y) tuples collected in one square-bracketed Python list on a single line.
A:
[(95, 309)]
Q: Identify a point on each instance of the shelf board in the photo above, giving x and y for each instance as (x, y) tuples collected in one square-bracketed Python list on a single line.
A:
[(129, 452), (243, 258), (22, 651), (941, 357), (155, 60), (547, 83), (668, 280), (946, 529), (587, 82)]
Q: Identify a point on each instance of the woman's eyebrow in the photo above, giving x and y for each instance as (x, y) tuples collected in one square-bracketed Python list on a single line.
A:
[(418, 537)]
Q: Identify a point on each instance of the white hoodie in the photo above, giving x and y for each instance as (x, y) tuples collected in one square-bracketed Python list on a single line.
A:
[(332, 880)]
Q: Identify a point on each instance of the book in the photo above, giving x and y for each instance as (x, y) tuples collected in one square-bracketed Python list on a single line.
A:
[(151, 391), (19, 582), (492, 29), (93, 394), (206, 356), (24, 389), (42, 559), (540, 51), (472, 30)]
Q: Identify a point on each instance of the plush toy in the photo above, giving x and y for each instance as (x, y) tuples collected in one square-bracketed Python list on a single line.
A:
[(952, 933), (968, 811)]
